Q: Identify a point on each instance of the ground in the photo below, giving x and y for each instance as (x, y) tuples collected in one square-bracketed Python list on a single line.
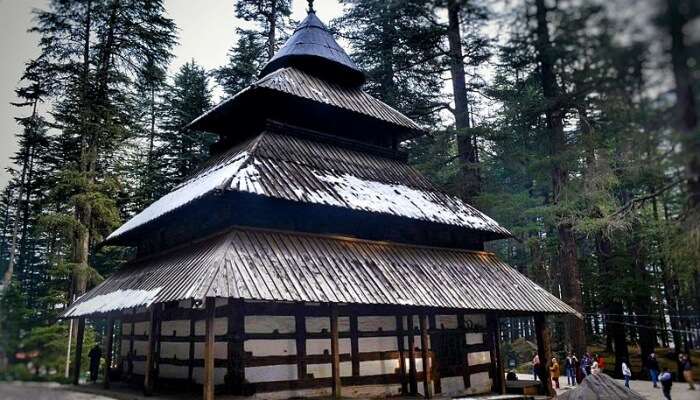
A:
[(43, 391)]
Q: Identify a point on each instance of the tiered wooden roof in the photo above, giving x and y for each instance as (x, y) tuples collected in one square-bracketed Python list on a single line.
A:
[(255, 264)]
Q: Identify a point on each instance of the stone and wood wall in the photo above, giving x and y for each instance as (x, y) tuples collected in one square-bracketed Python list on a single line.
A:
[(285, 350)]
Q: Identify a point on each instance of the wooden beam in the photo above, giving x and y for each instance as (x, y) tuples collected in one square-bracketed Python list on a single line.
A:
[(236, 346), (335, 352), (148, 382), (412, 374), (208, 384), (425, 354), (545, 353), (108, 349), (402, 354), (497, 372), (78, 350)]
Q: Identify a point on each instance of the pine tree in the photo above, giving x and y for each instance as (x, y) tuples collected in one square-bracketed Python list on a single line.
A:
[(254, 47), (398, 45), (93, 48), (183, 149)]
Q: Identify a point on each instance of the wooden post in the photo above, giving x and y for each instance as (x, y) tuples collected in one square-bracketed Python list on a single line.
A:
[(78, 350), (496, 362), (412, 374), (300, 336), (150, 351), (108, 349), (335, 352), (131, 344), (425, 354), (402, 354), (208, 384), (354, 344), (466, 376), (545, 353), (236, 347)]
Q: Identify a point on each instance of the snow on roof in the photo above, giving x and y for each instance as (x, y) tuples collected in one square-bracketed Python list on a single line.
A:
[(310, 172), (116, 300)]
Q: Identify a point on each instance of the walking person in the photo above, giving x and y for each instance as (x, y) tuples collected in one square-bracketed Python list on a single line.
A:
[(585, 368), (688, 371), (554, 372), (570, 370), (666, 382), (536, 366), (626, 373), (653, 367)]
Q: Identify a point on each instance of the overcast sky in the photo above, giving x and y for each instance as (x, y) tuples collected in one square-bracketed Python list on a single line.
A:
[(206, 33)]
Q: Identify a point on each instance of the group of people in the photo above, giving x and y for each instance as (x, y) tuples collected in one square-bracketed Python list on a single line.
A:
[(665, 378), (576, 370)]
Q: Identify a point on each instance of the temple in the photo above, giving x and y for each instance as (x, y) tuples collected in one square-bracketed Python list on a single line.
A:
[(307, 258)]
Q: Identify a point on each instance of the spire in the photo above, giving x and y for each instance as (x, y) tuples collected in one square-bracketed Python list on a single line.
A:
[(312, 48)]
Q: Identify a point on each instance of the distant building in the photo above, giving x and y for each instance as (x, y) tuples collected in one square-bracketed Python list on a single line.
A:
[(306, 257)]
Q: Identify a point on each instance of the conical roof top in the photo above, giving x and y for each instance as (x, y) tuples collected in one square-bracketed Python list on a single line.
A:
[(313, 48)]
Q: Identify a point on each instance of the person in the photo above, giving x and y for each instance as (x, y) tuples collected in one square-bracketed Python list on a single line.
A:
[(666, 382), (95, 355), (511, 376), (595, 369), (653, 367), (601, 362), (589, 363), (554, 372), (536, 366), (585, 368), (626, 373), (570, 370), (688, 371), (577, 368)]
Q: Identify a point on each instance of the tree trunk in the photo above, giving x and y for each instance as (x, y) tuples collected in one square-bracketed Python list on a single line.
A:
[(470, 184), (272, 34), (567, 260)]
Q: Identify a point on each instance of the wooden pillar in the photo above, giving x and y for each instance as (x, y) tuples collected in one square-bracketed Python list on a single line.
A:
[(208, 384), (78, 350), (435, 341), (545, 353), (108, 349), (236, 350), (335, 353), (300, 336), (495, 347), (425, 354), (190, 360), (148, 375), (412, 374), (466, 376), (402, 354), (354, 344), (130, 357)]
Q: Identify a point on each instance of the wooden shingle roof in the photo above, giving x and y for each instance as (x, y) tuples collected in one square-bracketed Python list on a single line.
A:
[(284, 266), (302, 170)]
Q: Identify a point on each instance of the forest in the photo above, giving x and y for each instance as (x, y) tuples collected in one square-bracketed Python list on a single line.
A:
[(573, 123)]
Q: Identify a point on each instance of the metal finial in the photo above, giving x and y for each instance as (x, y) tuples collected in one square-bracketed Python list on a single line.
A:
[(311, 6)]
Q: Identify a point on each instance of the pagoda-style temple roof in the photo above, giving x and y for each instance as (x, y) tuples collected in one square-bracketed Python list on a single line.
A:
[(312, 46), (300, 84), (254, 264), (309, 171)]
